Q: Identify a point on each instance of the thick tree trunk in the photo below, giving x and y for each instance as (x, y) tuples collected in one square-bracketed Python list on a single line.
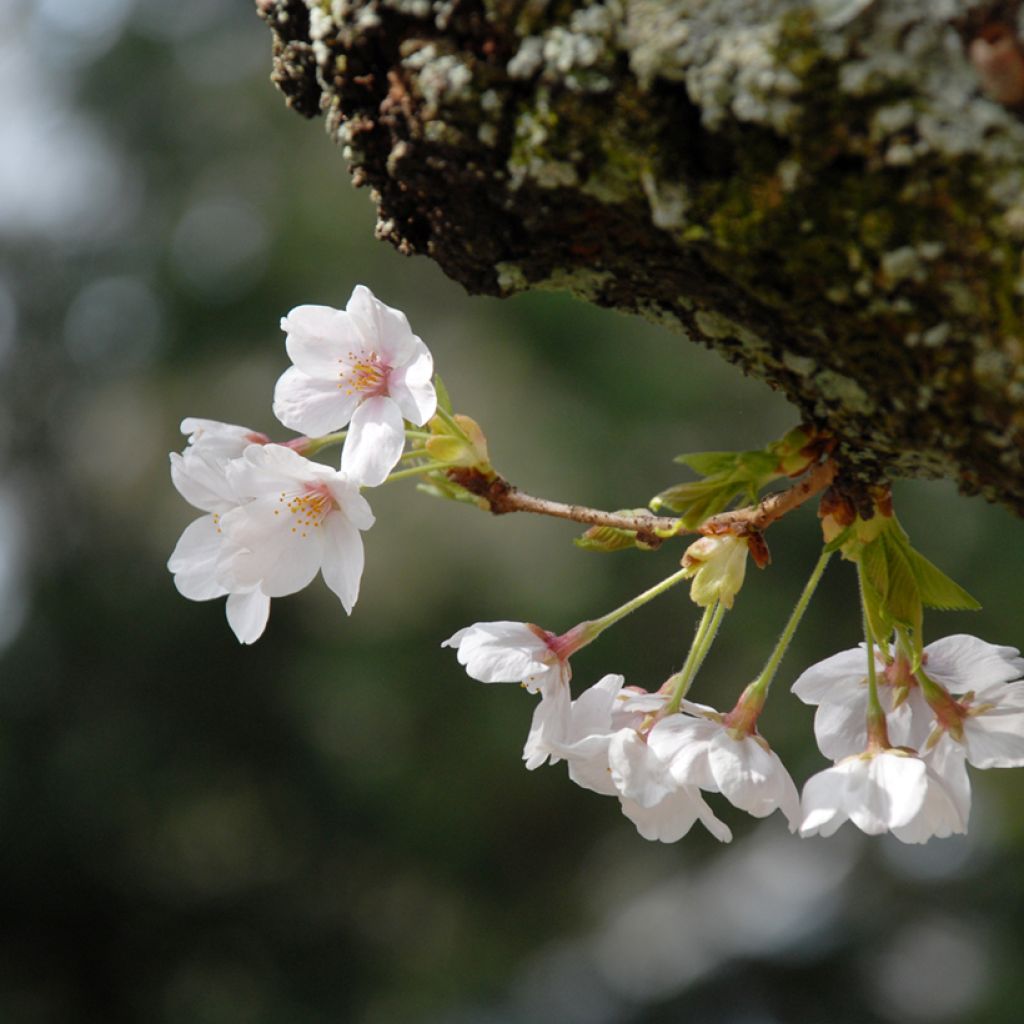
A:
[(829, 193)]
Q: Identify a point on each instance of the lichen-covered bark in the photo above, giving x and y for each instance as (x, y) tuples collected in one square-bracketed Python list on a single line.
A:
[(820, 190)]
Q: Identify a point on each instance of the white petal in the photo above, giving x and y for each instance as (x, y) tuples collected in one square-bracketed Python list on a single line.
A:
[(201, 483), (824, 799), (682, 742), (500, 652), (841, 729), (343, 559), (412, 388), (670, 820), (376, 437), (247, 613), (383, 328), (194, 560), (889, 794), (947, 761), (318, 337), (828, 679), (938, 817), (355, 508), (752, 778), (312, 405), (995, 740), (548, 728), (638, 773), (963, 662)]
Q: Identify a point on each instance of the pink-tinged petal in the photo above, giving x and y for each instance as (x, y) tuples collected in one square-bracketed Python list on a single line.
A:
[(995, 740), (317, 338), (221, 440), (375, 441), (343, 559), (382, 328), (266, 471), (828, 680), (280, 558), (412, 388), (194, 560), (889, 794), (247, 612), (202, 484), (963, 662), (548, 729), (312, 405)]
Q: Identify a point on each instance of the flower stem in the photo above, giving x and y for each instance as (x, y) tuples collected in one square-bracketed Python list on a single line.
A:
[(427, 467), (313, 444), (878, 733), (452, 424), (595, 627), (761, 684), (702, 641)]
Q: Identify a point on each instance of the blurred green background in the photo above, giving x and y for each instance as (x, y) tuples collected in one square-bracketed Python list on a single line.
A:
[(334, 825)]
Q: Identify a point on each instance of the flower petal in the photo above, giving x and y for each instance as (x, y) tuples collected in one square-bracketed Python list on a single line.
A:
[(194, 560), (995, 740), (318, 337), (312, 405), (376, 437), (829, 678), (412, 388), (963, 662), (247, 612), (501, 652), (382, 328), (343, 559)]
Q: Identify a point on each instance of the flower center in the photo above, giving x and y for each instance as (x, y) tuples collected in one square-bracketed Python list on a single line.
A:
[(363, 374), (307, 510)]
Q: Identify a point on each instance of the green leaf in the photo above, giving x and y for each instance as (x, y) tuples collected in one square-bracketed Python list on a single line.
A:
[(903, 599), (937, 589), (698, 499), (606, 538), (710, 463)]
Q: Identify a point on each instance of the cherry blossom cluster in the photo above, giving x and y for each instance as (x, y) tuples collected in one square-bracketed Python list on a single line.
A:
[(657, 755), (274, 518), (899, 720)]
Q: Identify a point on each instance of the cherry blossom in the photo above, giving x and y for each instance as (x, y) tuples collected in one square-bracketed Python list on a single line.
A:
[(883, 790), (274, 520), (838, 686), (988, 725), (360, 366), (702, 750), (300, 518)]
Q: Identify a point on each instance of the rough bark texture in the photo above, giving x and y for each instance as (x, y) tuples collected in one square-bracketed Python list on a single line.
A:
[(829, 193)]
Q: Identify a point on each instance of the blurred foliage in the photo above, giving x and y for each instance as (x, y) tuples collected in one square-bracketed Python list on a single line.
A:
[(335, 825)]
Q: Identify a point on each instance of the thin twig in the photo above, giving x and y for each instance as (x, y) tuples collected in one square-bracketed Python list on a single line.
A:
[(502, 498)]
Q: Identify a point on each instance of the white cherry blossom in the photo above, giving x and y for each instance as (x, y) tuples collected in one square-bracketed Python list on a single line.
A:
[(360, 366), (838, 686), (882, 791)]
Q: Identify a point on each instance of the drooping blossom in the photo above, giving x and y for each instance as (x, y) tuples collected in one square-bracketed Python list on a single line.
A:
[(702, 750), (717, 565), (838, 686), (360, 366), (606, 753), (883, 790)]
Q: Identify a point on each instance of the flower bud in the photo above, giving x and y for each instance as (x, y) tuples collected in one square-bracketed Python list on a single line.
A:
[(717, 566), (468, 450)]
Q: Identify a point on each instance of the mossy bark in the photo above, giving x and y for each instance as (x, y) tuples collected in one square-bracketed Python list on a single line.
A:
[(821, 191)]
